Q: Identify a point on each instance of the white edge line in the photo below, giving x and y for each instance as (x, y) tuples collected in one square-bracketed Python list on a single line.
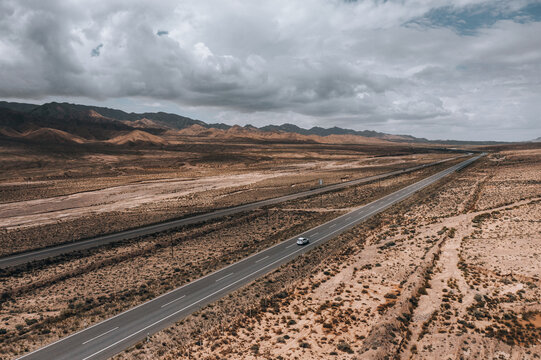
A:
[(95, 337), (172, 301), (262, 259), (223, 277), (196, 302)]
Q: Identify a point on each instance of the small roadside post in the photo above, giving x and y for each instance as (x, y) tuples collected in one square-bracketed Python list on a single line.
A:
[(172, 247), (321, 197)]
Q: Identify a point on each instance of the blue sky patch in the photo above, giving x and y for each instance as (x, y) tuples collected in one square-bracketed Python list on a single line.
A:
[(467, 20), (96, 51)]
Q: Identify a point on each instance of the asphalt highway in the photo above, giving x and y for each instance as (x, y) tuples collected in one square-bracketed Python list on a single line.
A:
[(112, 336), (26, 257)]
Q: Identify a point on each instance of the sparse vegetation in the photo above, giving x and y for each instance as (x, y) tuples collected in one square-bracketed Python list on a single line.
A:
[(367, 284)]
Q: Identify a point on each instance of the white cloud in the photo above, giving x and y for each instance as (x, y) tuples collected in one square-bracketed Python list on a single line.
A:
[(326, 62)]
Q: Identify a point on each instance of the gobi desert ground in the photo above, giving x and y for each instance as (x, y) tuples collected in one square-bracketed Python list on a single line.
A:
[(452, 272)]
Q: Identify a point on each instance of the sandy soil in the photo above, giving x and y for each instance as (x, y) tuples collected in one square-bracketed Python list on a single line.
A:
[(118, 198)]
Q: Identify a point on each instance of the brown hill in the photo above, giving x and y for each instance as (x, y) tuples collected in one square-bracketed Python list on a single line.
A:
[(201, 131), (95, 115), (238, 132), (286, 137), (137, 137), (352, 139), (10, 133), (249, 133), (48, 135), (145, 123)]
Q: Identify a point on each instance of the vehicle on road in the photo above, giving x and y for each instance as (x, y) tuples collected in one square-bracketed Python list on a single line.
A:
[(302, 241)]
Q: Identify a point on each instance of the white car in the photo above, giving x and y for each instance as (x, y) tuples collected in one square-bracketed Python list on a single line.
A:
[(302, 241)]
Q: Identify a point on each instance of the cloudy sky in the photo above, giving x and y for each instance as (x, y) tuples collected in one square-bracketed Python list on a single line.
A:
[(441, 69)]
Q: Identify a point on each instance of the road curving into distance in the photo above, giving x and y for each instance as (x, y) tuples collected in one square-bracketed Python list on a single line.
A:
[(45, 253), (112, 336)]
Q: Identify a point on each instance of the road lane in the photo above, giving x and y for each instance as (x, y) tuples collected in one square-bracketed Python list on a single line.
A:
[(23, 258), (111, 336)]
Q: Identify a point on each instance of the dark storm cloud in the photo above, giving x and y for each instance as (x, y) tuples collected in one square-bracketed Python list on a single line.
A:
[(389, 65)]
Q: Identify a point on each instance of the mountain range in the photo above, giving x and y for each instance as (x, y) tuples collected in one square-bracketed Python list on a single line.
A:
[(65, 123)]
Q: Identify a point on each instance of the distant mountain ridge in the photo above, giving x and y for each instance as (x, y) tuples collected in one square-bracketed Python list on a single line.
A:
[(85, 124), (173, 120), (316, 130), (104, 120), (64, 110)]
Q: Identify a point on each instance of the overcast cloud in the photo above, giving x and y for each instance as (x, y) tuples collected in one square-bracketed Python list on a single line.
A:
[(462, 69)]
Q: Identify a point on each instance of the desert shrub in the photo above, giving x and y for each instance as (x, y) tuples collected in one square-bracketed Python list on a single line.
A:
[(479, 299), (387, 245), (30, 321), (345, 347), (480, 218)]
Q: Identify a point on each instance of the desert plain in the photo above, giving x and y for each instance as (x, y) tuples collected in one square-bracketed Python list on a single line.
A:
[(452, 272)]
